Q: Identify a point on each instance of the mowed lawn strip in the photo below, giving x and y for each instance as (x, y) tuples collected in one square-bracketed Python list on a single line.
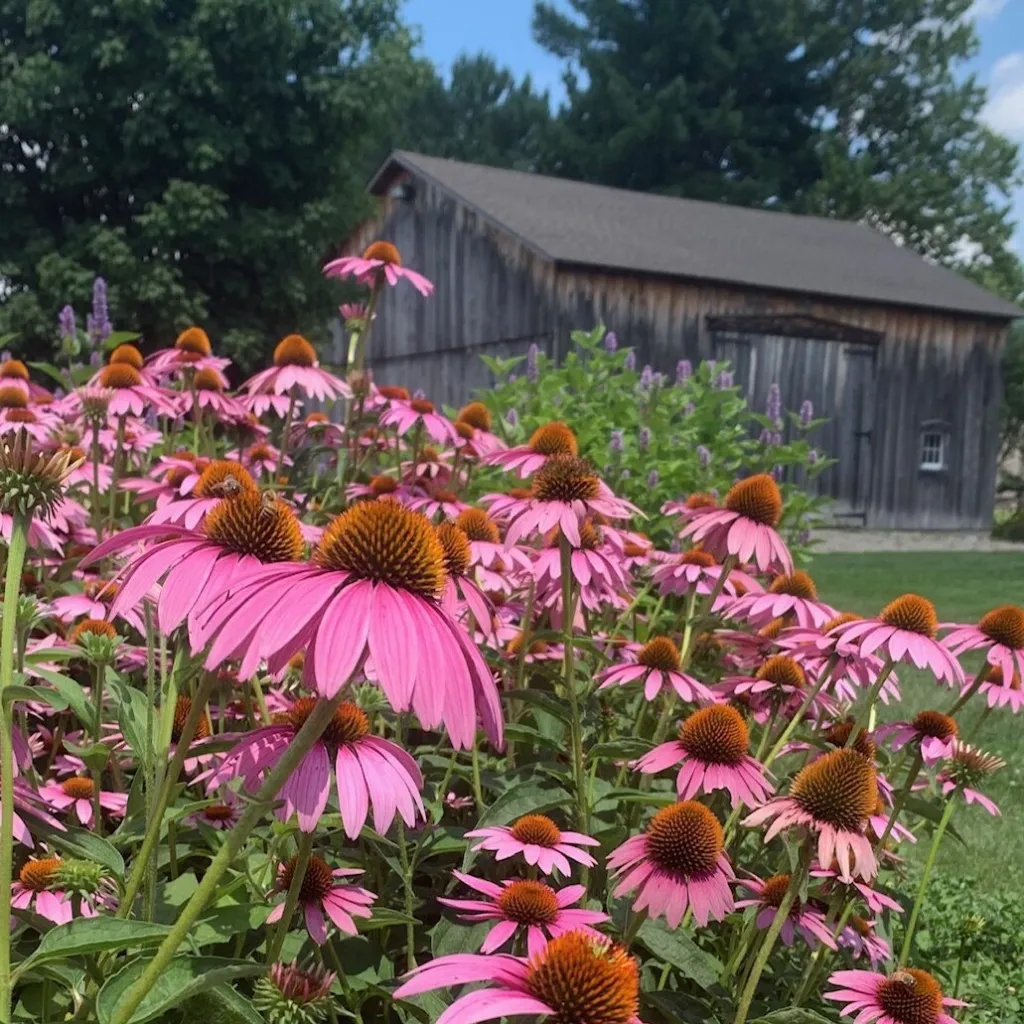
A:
[(963, 586)]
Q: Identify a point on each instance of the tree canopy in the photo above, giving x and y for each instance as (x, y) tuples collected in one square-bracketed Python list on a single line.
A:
[(202, 155), (206, 156)]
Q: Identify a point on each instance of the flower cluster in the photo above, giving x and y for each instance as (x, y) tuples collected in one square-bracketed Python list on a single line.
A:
[(350, 687)]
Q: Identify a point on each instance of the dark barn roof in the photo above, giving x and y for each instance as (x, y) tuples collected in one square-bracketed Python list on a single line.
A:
[(575, 223)]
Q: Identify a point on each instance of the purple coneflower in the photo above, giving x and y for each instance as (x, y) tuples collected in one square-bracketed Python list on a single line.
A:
[(538, 840), (380, 263), (320, 893), (908, 996), (655, 664), (803, 920)]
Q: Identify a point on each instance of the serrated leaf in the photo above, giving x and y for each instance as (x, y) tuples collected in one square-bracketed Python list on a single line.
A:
[(133, 711), (793, 1015), (72, 693), (41, 694), (183, 978), (228, 999), (619, 750), (455, 937), (93, 935), (679, 950)]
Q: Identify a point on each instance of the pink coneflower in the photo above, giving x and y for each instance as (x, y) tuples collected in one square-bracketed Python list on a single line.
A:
[(138, 438), (460, 583), (908, 996), (28, 802), (595, 567), (221, 815), (221, 479), (473, 425), (486, 549), (1000, 694), (966, 769), (539, 840), (372, 588), (851, 671), (696, 569), (207, 393), (172, 476), (38, 887), (803, 920), (860, 938), (403, 416), (656, 665), (296, 371), (935, 732), (905, 630), (437, 503), (833, 796), (83, 474), (319, 893), (565, 491), (744, 526), (78, 793), (133, 392), (316, 429), (551, 439), (239, 533), (876, 900), (778, 680), (93, 603), (713, 746), (686, 507), (380, 486), (381, 263), (191, 352), (575, 979), (678, 862), (369, 771), (430, 465), (794, 594), (261, 459), (1000, 633), (521, 903)]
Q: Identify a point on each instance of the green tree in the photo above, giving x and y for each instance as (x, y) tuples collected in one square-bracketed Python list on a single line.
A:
[(904, 147), (703, 98), (204, 156), (482, 114)]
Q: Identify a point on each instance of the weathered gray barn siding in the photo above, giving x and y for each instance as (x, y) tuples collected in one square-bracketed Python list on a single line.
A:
[(492, 297), (901, 368)]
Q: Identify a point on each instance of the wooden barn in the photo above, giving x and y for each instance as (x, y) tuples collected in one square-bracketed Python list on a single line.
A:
[(901, 355)]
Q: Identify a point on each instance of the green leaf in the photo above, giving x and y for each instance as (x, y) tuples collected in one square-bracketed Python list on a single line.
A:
[(93, 935), (42, 694), (528, 798), (679, 950), (54, 372), (619, 750), (120, 338), (242, 1009), (545, 701), (384, 918), (794, 1015), (184, 977), (71, 692), (455, 937), (133, 711), (80, 843)]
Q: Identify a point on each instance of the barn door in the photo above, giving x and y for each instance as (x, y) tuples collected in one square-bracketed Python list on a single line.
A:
[(838, 379)]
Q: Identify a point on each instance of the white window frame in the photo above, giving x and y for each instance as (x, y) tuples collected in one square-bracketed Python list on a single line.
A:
[(934, 441)]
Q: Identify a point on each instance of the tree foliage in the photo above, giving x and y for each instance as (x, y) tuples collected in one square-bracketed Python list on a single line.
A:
[(202, 155), (689, 97)]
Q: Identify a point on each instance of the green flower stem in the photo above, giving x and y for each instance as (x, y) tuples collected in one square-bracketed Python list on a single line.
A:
[(979, 723), (99, 674), (95, 514), (310, 732), (286, 431), (408, 895), (305, 848), (633, 928), (116, 465), (727, 566), (159, 809), (12, 586), (864, 715), (768, 943), (822, 956), (569, 672), (971, 690), (691, 602), (791, 726), (363, 345), (261, 702), (901, 797), (929, 864)]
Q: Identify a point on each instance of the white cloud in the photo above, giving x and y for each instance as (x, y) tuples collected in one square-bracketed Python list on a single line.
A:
[(983, 10), (1005, 108)]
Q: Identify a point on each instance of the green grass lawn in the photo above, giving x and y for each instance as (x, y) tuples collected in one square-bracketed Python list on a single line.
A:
[(962, 586)]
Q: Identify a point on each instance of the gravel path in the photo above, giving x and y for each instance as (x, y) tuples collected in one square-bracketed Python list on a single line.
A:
[(855, 541)]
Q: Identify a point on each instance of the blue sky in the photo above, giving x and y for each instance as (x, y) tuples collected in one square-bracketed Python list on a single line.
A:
[(502, 28)]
